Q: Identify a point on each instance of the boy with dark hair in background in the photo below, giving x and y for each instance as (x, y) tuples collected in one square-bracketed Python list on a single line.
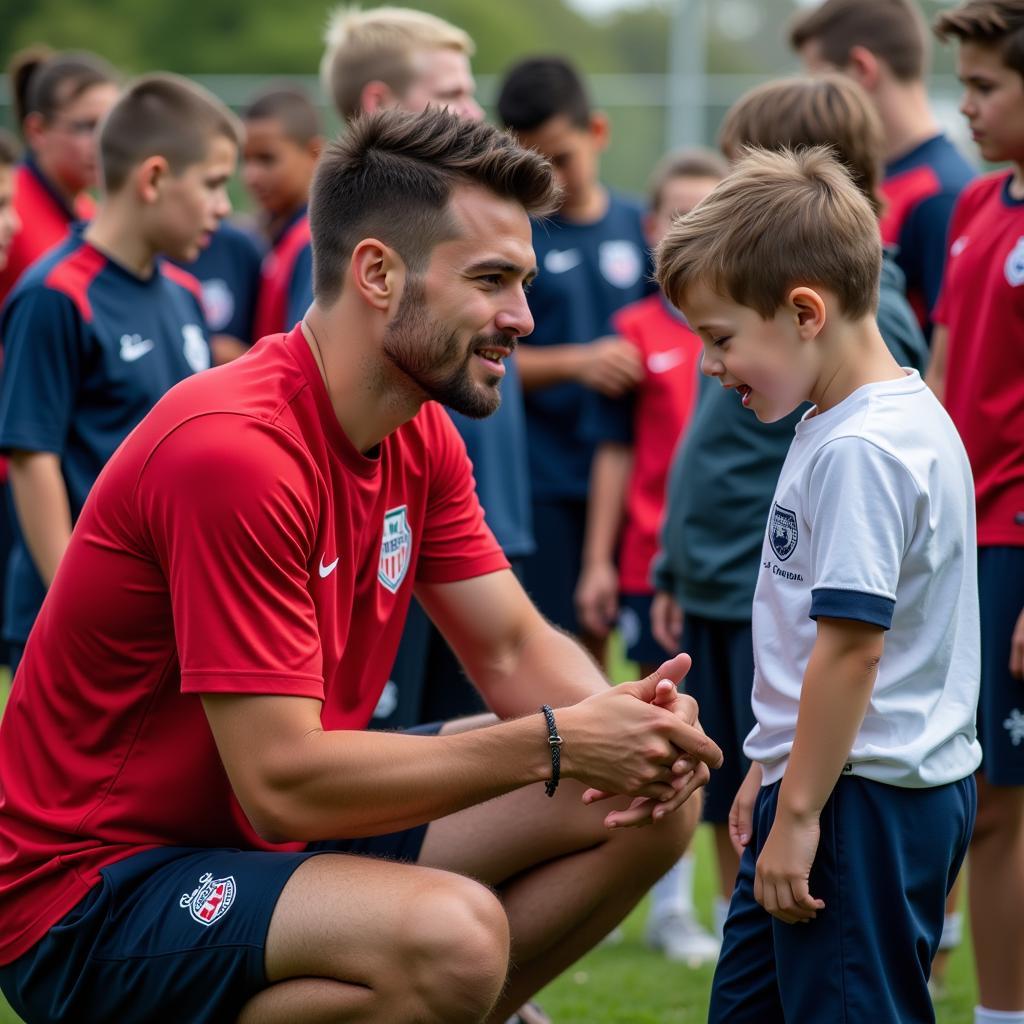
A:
[(884, 46), (283, 140), (97, 330), (978, 372), (593, 260)]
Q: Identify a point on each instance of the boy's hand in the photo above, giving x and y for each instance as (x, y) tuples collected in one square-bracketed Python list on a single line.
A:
[(667, 621), (784, 867), (741, 815), (597, 598), (1017, 648)]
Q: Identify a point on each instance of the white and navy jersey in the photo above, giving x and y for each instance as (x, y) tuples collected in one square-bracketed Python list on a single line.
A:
[(873, 520), (89, 348)]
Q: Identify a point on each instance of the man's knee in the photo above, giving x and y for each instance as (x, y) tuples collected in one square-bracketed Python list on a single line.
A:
[(455, 949)]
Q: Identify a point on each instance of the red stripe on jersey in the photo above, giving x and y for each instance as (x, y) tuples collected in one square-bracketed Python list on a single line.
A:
[(74, 275), (278, 267), (902, 193), (182, 277)]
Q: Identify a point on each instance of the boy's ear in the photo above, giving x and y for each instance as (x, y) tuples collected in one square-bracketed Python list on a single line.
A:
[(377, 273), (600, 129), (377, 95), (863, 66), (149, 176), (809, 309), (315, 147)]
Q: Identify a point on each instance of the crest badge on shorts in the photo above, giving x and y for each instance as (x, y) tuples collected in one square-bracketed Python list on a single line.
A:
[(782, 532), (1014, 266), (210, 900), (620, 262), (395, 549)]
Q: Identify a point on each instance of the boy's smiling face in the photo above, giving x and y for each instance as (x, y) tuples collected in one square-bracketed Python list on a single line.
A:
[(992, 102), (772, 364)]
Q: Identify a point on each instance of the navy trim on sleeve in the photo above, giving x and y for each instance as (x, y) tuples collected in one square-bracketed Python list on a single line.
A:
[(852, 604)]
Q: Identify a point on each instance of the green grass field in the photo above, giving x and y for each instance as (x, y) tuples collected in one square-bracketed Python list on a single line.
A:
[(628, 984)]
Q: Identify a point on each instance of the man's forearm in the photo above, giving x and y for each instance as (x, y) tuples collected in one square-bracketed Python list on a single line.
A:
[(837, 688), (44, 512)]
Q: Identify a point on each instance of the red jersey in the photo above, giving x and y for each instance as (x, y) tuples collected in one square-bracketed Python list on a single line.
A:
[(236, 543), (982, 305), (44, 222), (276, 278), (662, 405)]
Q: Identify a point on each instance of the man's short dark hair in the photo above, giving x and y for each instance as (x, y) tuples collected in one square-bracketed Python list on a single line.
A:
[(162, 115), (391, 177), (290, 107), (893, 30), (540, 88), (997, 24)]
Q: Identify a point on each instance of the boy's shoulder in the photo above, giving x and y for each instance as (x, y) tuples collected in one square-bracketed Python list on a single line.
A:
[(68, 269), (985, 189)]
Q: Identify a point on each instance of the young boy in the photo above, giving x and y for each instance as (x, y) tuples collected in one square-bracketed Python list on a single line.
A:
[(859, 804), (283, 140), (883, 45), (722, 480), (99, 328), (977, 371), (635, 437), (593, 261)]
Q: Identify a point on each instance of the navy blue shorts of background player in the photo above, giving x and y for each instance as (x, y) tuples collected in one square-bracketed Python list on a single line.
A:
[(886, 859), (721, 681), (635, 627), (1001, 703), (171, 935)]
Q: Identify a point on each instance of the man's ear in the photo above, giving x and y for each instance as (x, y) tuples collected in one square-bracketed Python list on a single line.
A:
[(809, 310), (149, 176), (377, 95), (863, 67), (377, 274)]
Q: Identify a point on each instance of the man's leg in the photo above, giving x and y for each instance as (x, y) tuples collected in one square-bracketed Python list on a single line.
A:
[(564, 879), (357, 939)]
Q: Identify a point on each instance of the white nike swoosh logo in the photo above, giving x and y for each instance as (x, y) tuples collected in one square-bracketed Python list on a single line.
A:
[(558, 261), (662, 362), (326, 570), (133, 347)]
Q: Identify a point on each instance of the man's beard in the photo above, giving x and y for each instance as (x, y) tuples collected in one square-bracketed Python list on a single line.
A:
[(433, 358)]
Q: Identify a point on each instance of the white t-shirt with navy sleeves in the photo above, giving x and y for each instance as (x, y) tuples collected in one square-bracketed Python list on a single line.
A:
[(873, 520)]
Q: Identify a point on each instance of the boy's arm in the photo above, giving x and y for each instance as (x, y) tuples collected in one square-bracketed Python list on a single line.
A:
[(837, 687), (597, 593), (608, 365), (44, 512)]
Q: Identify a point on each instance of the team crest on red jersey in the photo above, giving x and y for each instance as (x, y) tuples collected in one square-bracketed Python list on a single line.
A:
[(1014, 266), (395, 549), (210, 900)]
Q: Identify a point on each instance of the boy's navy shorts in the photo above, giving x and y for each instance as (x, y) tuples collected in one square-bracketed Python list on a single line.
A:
[(1001, 704), (886, 859), (721, 681), (136, 949)]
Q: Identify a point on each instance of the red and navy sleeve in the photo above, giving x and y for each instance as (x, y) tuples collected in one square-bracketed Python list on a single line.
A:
[(45, 341)]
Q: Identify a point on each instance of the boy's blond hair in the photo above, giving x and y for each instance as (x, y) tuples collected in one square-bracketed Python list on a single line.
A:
[(781, 219), (380, 45), (824, 110), (993, 23)]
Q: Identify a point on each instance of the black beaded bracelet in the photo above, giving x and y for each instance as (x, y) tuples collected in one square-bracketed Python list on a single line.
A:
[(555, 742)]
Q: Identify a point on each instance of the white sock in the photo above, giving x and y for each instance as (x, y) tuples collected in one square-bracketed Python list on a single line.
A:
[(673, 892), (952, 930), (720, 911), (983, 1016)]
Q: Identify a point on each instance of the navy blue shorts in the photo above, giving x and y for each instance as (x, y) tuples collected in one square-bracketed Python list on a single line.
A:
[(1001, 703), (721, 681), (172, 934), (886, 860), (551, 573), (635, 627)]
